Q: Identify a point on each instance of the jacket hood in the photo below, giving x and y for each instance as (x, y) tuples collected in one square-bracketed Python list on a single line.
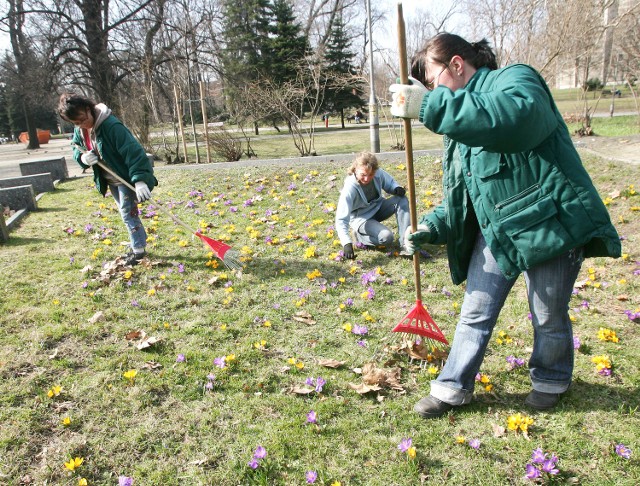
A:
[(102, 113)]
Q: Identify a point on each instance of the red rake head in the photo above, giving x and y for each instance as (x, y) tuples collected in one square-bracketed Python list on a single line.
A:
[(219, 248), (418, 321)]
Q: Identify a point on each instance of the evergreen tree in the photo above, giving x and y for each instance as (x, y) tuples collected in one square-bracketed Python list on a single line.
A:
[(287, 45), (246, 31), (344, 88)]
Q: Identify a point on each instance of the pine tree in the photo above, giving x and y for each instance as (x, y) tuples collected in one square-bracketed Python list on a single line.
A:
[(246, 40), (288, 46), (344, 89)]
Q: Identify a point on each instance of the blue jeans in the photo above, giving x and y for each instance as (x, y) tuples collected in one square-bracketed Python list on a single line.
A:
[(549, 289), (374, 233), (128, 205)]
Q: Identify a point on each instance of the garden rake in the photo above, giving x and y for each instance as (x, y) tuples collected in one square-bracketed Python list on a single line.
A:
[(417, 321), (221, 250)]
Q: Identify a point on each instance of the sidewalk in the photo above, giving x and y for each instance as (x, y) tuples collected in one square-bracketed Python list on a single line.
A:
[(624, 149)]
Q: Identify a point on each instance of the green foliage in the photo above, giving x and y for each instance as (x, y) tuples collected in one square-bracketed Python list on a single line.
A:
[(63, 322), (593, 84), (342, 93)]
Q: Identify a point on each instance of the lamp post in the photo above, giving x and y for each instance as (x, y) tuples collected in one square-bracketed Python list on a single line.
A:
[(374, 126)]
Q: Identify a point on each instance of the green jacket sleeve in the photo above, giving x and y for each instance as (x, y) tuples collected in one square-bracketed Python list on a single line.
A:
[(503, 111)]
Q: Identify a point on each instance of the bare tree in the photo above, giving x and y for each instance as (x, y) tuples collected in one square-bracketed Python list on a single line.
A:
[(25, 66)]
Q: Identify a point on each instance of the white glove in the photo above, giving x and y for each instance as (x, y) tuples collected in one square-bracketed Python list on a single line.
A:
[(89, 158), (142, 191), (421, 235), (406, 99)]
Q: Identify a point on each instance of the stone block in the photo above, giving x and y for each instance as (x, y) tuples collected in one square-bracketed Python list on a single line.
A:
[(19, 197), (56, 166), (40, 182), (4, 232)]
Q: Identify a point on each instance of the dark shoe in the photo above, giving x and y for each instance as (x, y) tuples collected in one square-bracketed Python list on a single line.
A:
[(431, 407), (132, 259), (541, 400)]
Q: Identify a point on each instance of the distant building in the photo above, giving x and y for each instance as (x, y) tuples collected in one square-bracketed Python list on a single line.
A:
[(606, 63)]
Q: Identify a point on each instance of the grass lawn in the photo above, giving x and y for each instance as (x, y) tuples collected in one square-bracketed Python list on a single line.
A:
[(179, 372)]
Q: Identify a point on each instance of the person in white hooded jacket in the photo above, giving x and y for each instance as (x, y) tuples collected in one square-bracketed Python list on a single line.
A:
[(362, 206), (100, 136)]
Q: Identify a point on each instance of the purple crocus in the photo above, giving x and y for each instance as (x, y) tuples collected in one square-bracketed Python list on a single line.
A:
[(532, 472), (549, 466), (260, 453), (320, 382), (359, 330), (180, 358), (623, 451), (474, 444), (253, 464), (125, 481), (311, 477), (312, 417), (538, 457), (405, 444), (576, 342), (220, 362)]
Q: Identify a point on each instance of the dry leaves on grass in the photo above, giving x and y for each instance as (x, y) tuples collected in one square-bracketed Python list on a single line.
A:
[(304, 317), (374, 379), (331, 363), (141, 340)]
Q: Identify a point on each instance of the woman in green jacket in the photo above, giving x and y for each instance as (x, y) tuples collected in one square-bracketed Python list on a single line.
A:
[(99, 135), (517, 199)]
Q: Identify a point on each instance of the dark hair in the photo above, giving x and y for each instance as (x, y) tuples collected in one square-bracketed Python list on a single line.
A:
[(71, 105), (442, 47)]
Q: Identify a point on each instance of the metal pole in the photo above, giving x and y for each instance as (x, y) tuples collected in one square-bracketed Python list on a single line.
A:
[(374, 126)]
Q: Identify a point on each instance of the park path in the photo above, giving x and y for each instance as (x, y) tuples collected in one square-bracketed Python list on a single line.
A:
[(624, 149)]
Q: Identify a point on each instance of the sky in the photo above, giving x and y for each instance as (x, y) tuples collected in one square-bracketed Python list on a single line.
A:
[(408, 8)]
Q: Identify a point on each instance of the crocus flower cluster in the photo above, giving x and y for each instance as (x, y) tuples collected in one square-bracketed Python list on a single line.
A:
[(605, 334), (259, 454), (318, 383), (541, 464), (519, 422), (514, 362), (603, 364), (623, 451), (407, 447)]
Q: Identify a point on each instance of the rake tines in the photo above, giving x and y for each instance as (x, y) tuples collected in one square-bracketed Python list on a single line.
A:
[(223, 251), (419, 322)]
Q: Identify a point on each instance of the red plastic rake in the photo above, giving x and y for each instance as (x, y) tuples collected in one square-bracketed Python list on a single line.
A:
[(221, 250), (417, 321)]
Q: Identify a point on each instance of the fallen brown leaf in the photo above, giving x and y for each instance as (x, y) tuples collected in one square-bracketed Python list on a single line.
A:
[(130, 336), (305, 317), (147, 342), (363, 388), (498, 430), (331, 363), (302, 390), (97, 317)]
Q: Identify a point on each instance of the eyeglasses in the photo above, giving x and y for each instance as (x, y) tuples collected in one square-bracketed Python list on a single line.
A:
[(431, 84)]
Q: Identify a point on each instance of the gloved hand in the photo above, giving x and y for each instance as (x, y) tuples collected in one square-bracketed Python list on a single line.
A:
[(414, 240), (142, 191), (399, 191), (348, 251), (89, 158), (406, 99)]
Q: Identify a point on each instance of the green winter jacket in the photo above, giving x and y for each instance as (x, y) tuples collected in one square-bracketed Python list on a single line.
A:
[(511, 171), (119, 149)]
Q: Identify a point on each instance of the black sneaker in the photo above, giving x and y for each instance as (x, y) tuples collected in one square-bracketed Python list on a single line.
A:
[(431, 407), (542, 401), (132, 258)]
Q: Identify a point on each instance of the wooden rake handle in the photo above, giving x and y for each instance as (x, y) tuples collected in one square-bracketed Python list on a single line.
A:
[(108, 169), (408, 149)]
